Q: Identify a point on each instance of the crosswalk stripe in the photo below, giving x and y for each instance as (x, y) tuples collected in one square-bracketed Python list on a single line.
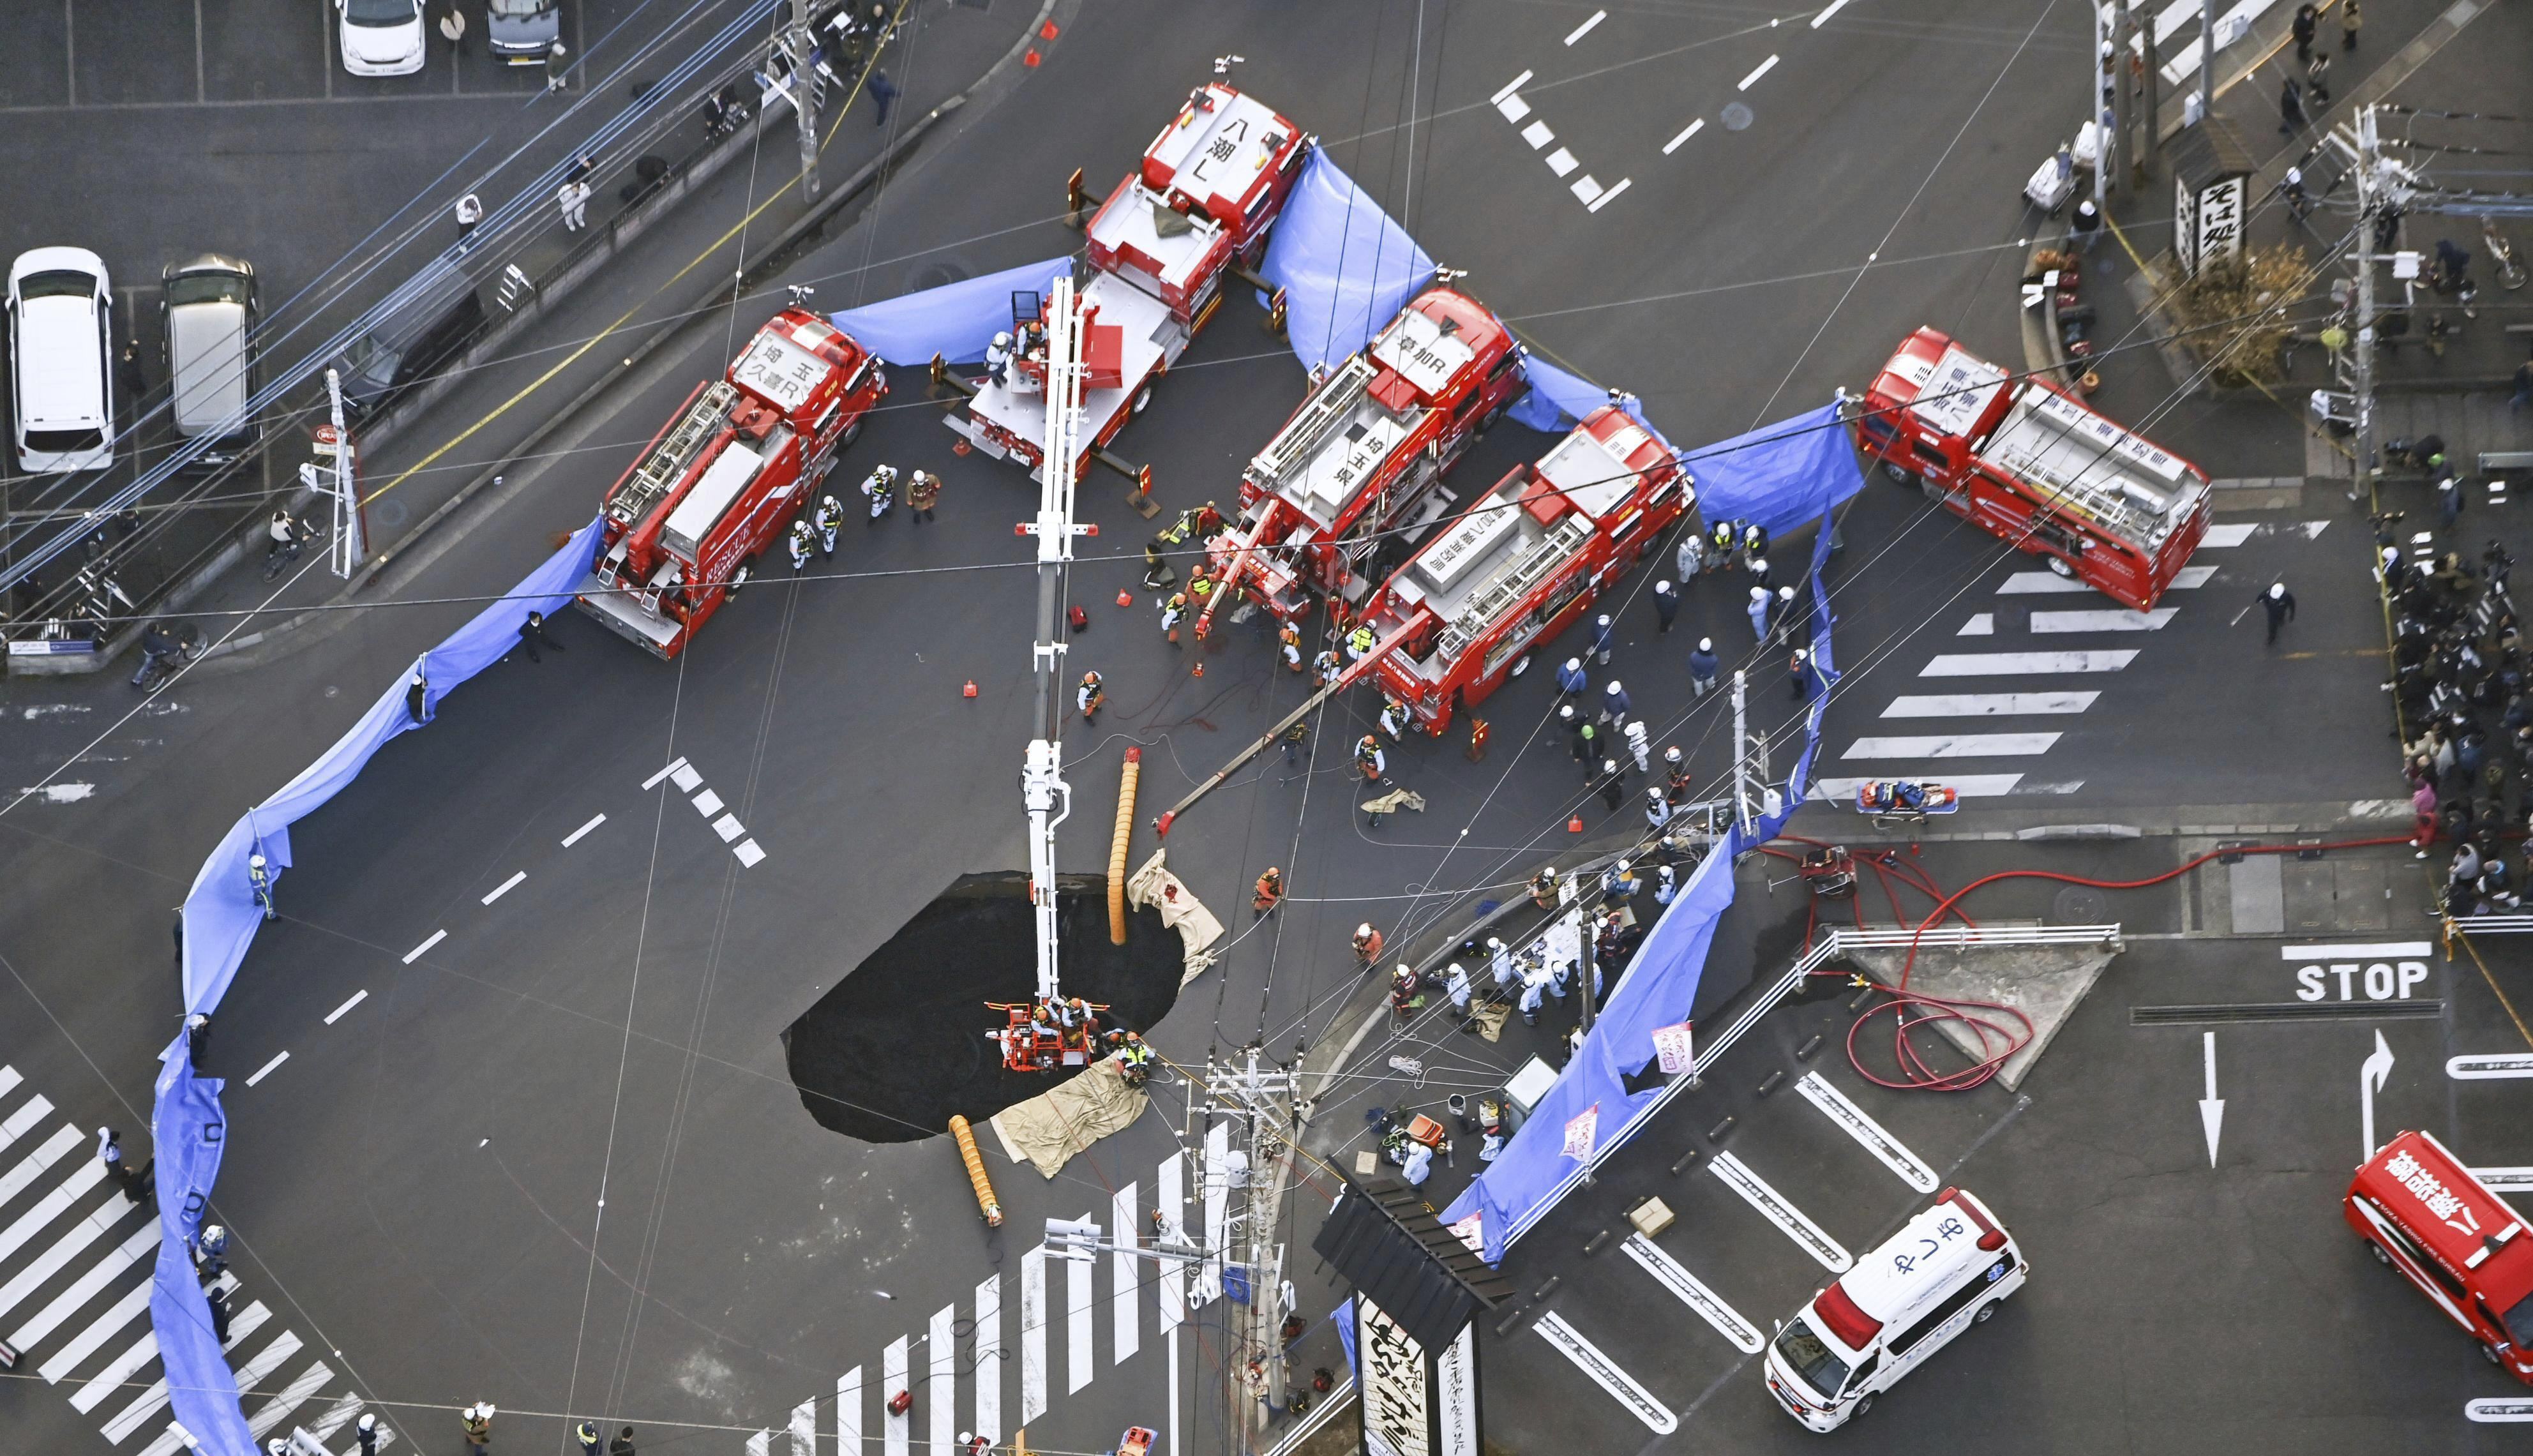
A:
[(148, 1402), (31, 1167), (78, 1236), (37, 1108), (1856, 1123), (1989, 705), (1604, 1373), (1777, 1209), (2226, 534), (50, 1206), (1081, 1359), (892, 1379), (761, 1444), (104, 1327), (1967, 785), (9, 1080), (1032, 1334), (284, 1346), (2027, 664), (941, 1388), (1674, 1276), (849, 1413), (2119, 621), (336, 1417), (1122, 1272), (291, 1397), (804, 1428), (1980, 624), (989, 1360), (2050, 583), (1953, 745), (117, 1370)]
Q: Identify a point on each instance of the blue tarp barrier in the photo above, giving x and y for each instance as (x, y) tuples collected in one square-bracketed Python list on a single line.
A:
[(955, 320), (1346, 269), (1558, 401), (186, 1125), (1778, 475), (1659, 985)]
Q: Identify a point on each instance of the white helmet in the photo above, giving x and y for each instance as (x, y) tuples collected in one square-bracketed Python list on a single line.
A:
[(1493, 944), (1654, 795), (1566, 711), (369, 1421), (1364, 929), (1612, 688), (1002, 340), (1602, 621), (1705, 644), (1622, 866), (1672, 754), (1662, 587), (2277, 589), (1758, 594), (1799, 654), (1573, 665), (1785, 594)]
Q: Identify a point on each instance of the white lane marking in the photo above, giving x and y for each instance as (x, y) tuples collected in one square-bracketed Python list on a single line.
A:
[(804, 1428), (1967, 785), (2049, 583), (1080, 1360), (265, 1070), (1586, 189), (1791, 1221), (729, 828), (1833, 7), (990, 1363), (2488, 1068), (117, 1370), (1561, 161), (1604, 1373), (1514, 108), (1692, 130), (761, 1443), (1988, 705), (892, 1379), (595, 820), (251, 1374), (708, 803), (1953, 745), (1751, 80), (2025, 664), (507, 885), (849, 1413), (74, 1241), (2505, 1178), (2122, 621), (2506, 1410), (9, 1080), (37, 1108), (1123, 1274), (1856, 1123), (748, 852), (1585, 28), (31, 1167), (2357, 951), (1032, 1334), (1673, 1276), (1980, 624), (672, 767), (686, 779), (1510, 87), (2226, 535), (2378, 808), (89, 1285), (336, 1013), (941, 1392), (336, 1417), (416, 952), (1170, 1196), (1602, 199), (302, 1388), (1537, 135)]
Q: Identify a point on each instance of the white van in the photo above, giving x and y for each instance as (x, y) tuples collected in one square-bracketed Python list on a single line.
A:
[(60, 312), (1947, 1271)]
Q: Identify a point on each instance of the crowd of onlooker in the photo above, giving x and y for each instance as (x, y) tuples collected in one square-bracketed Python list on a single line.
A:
[(2458, 676)]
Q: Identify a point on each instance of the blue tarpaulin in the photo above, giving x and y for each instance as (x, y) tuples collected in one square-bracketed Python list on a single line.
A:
[(955, 320), (1558, 400), (1659, 985), (1778, 475), (186, 1124), (1346, 269)]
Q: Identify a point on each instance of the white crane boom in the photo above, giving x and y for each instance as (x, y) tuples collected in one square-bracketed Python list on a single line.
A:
[(1048, 798)]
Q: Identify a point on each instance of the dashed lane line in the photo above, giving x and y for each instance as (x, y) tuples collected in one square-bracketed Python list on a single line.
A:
[(574, 837), (1687, 131), (507, 885), (1751, 80), (665, 770), (267, 1069), (1585, 28), (419, 950), (336, 1013), (1831, 8)]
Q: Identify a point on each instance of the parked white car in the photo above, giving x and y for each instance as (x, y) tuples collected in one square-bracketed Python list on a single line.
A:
[(381, 38), (61, 318)]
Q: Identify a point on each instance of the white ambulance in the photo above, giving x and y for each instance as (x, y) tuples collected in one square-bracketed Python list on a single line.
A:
[(1947, 1271)]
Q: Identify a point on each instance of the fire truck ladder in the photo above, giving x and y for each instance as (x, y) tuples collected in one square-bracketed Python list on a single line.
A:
[(1301, 438), (1554, 549), (1044, 791), (658, 474)]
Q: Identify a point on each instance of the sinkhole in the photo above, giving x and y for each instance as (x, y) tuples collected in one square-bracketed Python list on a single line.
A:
[(899, 1045)]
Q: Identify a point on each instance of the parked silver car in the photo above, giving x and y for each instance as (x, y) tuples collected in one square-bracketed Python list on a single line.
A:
[(208, 304), (521, 31)]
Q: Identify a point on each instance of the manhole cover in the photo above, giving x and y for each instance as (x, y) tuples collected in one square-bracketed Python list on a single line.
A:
[(2079, 904), (1736, 117), (390, 514)]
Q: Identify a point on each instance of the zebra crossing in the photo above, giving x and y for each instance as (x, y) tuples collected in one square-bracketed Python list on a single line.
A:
[(75, 1262), (924, 1383), (1917, 742)]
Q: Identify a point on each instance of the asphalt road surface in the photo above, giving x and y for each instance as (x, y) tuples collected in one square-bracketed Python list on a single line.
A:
[(509, 1112)]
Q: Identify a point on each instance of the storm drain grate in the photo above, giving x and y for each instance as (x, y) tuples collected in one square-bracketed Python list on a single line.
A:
[(2286, 1010)]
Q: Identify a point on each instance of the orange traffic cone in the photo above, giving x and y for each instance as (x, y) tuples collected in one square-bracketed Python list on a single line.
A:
[(969, 691), (1574, 825), (1125, 598)]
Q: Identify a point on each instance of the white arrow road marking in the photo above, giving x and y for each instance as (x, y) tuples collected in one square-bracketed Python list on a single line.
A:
[(2483, 1068), (2498, 1412), (1774, 1207), (2212, 1108), (2371, 1075), (1673, 1276), (1856, 1124), (1605, 1373)]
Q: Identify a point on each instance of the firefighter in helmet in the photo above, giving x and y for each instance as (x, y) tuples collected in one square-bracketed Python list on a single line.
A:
[(798, 544), (1542, 888), (1325, 669), (1368, 757), (998, 356), (1270, 892), (1089, 697), (880, 489), (1290, 636), (1676, 776), (1358, 642), (1134, 1060), (830, 515)]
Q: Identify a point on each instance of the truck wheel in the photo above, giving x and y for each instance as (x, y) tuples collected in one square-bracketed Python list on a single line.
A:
[(2059, 566), (853, 431), (2380, 1257), (1899, 473), (2488, 1352), (1861, 1406), (1486, 421), (1142, 397), (1520, 666), (1934, 492), (738, 578)]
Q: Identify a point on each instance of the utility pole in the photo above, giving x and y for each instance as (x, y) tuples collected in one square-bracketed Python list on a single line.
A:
[(1740, 738), (805, 91), (349, 545), (2369, 202), (2207, 59), (2099, 98), (1263, 1097)]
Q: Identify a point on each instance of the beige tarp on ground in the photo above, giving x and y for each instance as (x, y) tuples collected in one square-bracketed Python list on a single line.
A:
[(1155, 887), (1047, 1129)]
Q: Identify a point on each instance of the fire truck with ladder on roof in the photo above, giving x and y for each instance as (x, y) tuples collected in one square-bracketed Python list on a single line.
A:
[(721, 482), (2028, 462), (1197, 211), (1521, 563), (1323, 505)]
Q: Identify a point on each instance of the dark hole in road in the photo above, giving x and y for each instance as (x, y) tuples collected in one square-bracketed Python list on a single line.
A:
[(899, 1045)]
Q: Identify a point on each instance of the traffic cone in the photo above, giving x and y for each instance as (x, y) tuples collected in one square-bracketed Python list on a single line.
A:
[(1199, 670), (1572, 826), (1125, 598), (969, 691)]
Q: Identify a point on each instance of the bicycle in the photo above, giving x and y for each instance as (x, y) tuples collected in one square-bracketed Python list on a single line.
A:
[(2501, 256), (280, 554), (161, 663)]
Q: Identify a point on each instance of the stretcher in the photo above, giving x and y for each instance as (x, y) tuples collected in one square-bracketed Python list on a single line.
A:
[(1905, 801)]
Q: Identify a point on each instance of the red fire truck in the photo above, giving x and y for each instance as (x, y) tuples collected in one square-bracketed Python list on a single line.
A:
[(1321, 506), (2028, 462), (723, 477), (1522, 562), (1211, 185), (2430, 1218)]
